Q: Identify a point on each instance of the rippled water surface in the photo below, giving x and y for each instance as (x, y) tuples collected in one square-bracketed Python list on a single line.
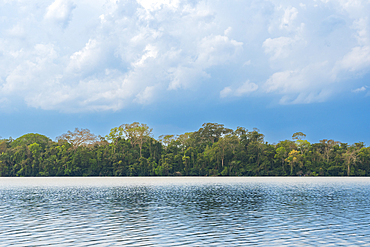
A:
[(184, 211)]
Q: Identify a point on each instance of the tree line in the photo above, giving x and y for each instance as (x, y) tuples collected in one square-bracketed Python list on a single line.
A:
[(213, 150)]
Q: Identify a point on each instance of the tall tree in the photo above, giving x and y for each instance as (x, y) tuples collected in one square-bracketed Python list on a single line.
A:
[(350, 157), (184, 140), (166, 140), (327, 147), (298, 136), (79, 137), (281, 154), (212, 132), (30, 138), (226, 143), (293, 159), (137, 133)]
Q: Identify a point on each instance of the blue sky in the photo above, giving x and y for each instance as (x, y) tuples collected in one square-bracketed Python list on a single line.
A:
[(280, 66)]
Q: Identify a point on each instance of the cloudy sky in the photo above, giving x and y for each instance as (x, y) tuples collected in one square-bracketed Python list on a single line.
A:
[(281, 66)]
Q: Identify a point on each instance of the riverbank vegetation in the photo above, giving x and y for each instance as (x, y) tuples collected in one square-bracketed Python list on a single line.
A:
[(213, 150)]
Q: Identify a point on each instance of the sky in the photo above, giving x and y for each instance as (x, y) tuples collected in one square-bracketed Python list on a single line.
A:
[(279, 66)]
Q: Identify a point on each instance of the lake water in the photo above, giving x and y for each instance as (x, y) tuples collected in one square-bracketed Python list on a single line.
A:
[(180, 211)]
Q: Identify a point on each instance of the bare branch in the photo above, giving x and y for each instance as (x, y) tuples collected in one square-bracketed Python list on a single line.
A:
[(80, 137)]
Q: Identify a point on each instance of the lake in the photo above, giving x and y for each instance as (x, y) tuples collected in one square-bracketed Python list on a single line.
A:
[(185, 211)]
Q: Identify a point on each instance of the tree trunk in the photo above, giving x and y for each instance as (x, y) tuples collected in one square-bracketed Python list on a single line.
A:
[(291, 169), (348, 168)]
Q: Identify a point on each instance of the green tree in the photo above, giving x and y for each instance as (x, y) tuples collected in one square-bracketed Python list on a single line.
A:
[(350, 157), (281, 154), (293, 159), (298, 136), (211, 132), (226, 144), (137, 133), (327, 146), (166, 140), (30, 138)]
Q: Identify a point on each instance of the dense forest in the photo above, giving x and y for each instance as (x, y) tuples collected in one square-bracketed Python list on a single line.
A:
[(213, 150)]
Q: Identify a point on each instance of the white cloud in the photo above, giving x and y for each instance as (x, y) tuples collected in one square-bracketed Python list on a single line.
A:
[(112, 54), (153, 5), (185, 77), (150, 51), (306, 85), (290, 14), (85, 59), (357, 90), (228, 31), (281, 81), (279, 47), (17, 31), (362, 27), (226, 92), (210, 51), (306, 97), (60, 11), (35, 66), (245, 89), (213, 50), (357, 59), (312, 64), (146, 96)]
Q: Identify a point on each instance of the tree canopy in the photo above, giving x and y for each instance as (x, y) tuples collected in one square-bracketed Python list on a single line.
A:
[(30, 138), (212, 150)]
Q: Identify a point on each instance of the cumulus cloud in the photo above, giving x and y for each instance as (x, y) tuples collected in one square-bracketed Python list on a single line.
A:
[(290, 14), (279, 47), (312, 65), (60, 11), (357, 90), (150, 51), (246, 88), (106, 55), (145, 96), (210, 51), (85, 59), (357, 59), (151, 5)]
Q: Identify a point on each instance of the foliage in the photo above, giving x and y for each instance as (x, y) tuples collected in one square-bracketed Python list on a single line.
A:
[(213, 150)]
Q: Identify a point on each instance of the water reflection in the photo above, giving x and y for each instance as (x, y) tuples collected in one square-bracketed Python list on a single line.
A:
[(190, 212)]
